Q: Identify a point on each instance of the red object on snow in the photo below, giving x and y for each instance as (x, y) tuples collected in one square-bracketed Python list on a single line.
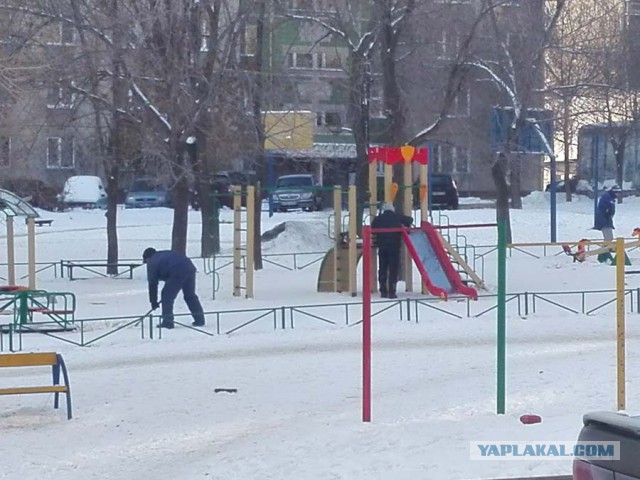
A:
[(530, 419)]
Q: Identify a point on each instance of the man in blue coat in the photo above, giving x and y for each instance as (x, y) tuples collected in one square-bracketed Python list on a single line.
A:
[(603, 221), (178, 273)]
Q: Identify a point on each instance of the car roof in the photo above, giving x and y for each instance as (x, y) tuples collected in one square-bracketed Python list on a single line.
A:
[(296, 175)]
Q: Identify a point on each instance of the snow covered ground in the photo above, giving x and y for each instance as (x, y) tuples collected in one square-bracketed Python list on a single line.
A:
[(146, 408)]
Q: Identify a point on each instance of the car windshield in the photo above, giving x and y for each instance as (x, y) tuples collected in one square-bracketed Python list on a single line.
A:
[(145, 186), (295, 182), (439, 181)]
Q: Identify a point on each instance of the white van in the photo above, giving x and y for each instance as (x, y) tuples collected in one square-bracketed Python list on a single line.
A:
[(83, 191)]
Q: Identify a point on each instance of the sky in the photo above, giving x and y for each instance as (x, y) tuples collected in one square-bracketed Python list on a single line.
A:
[(148, 409)]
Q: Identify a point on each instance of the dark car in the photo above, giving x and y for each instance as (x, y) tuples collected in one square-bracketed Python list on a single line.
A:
[(560, 186), (297, 191), (443, 191), (146, 193), (609, 427), (222, 185)]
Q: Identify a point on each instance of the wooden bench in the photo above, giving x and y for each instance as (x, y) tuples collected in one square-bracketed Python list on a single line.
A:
[(90, 267), (14, 360), (40, 221)]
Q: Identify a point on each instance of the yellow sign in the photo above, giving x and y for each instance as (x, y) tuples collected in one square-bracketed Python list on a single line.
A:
[(288, 130), (407, 152)]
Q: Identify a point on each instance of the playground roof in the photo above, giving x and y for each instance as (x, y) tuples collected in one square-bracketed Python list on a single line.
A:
[(11, 205)]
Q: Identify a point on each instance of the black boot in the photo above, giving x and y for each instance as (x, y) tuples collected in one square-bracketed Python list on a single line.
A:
[(392, 292), (383, 292)]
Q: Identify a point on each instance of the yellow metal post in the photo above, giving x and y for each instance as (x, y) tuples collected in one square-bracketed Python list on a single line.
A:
[(408, 211), (11, 253), (337, 232), (31, 239), (251, 195), (353, 246), (424, 193), (388, 181), (620, 314), (424, 202), (237, 242)]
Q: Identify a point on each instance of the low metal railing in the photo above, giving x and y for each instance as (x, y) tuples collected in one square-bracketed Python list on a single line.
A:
[(331, 314)]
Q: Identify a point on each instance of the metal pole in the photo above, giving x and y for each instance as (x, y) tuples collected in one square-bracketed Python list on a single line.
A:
[(620, 314), (251, 195), (553, 197), (31, 238), (595, 159), (270, 180), (502, 324), (366, 323), (11, 254), (353, 246)]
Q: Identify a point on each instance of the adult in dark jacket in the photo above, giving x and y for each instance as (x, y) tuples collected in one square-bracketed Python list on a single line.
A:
[(603, 221), (605, 212), (178, 273), (388, 244)]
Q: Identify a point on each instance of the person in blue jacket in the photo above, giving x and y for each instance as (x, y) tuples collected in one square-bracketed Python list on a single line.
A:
[(605, 212), (177, 272), (603, 221)]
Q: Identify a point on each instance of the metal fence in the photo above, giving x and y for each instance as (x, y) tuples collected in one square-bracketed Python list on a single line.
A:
[(341, 314)]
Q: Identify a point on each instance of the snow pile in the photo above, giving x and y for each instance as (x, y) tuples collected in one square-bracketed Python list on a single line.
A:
[(301, 236)]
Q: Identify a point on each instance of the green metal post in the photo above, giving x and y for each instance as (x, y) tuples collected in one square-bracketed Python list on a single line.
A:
[(502, 310)]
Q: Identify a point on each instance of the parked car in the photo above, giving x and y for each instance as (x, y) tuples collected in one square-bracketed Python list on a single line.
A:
[(297, 191), (145, 193), (223, 183), (610, 427), (443, 191), (85, 191), (560, 186)]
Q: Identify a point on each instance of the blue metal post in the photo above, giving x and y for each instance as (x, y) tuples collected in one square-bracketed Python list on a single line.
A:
[(553, 197), (596, 140)]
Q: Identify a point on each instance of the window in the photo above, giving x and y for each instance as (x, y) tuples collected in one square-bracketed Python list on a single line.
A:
[(326, 5), (60, 152), (448, 45), (300, 60), (451, 159), (461, 104), (205, 35), (331, 120), (60, 96), (329, 60), (5, 151), (462, 160), (633, 7), (67, 33), (301, 4)]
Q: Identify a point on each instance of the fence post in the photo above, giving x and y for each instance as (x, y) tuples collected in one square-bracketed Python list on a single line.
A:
[(620, 315)]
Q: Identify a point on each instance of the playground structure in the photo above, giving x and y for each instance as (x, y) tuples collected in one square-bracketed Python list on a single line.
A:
[(603, 252), (425, 246), (23, 302)]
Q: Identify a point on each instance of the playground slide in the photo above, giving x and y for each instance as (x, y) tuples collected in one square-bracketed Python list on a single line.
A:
[(433, 263)]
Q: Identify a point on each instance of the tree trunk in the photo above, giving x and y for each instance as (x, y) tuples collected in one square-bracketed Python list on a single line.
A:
[(119, 93), (499, 173), (566, 141), (180, 216), (516, 180), (359, 120), (619, 152), (260, 167)]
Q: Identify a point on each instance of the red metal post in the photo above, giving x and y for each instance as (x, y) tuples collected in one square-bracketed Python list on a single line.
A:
[(366, 324)]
